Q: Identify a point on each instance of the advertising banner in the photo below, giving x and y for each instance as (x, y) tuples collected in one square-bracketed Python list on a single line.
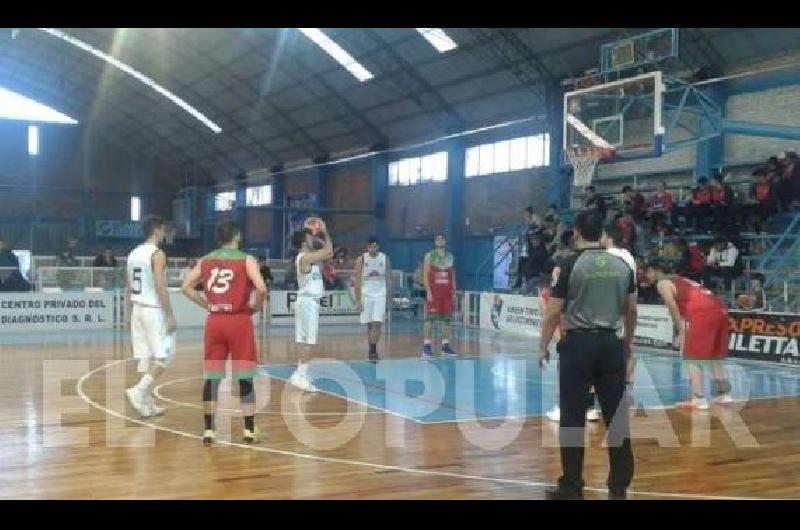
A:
[(56, 311)]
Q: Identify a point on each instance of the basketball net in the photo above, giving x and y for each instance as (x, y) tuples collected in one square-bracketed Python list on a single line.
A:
[(584, 161)]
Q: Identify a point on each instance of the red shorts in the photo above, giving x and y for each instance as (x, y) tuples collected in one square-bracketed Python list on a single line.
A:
[(706, 337), (229, 336), (440, 309)]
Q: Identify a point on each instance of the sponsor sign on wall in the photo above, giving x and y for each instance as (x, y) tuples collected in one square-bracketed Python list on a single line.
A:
[(21, 312), (282, 303), (522, 315), (765, 336), (654, 326), (511, 313)]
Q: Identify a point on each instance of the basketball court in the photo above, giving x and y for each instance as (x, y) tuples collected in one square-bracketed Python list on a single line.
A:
[(381, 443)]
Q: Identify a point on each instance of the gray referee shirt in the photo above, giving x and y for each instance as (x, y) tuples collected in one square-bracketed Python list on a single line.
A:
[(594, 285)]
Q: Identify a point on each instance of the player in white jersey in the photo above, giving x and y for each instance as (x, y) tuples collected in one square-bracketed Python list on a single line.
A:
[(310, 288), (373, 292), (150, 317)]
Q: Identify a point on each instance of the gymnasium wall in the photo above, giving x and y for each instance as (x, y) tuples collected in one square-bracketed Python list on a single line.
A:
[(494, 201), (779, 106), (350, 186), (416, 211)]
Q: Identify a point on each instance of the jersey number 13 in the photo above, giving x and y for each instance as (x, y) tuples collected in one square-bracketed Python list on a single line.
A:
[(220, 280)]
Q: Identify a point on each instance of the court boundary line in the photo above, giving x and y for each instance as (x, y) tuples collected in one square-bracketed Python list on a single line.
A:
[(360, 463), (157, 393)]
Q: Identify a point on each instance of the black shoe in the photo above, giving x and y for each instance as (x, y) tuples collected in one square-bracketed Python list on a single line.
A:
[(555, 493), (617, 495), (373, 357)]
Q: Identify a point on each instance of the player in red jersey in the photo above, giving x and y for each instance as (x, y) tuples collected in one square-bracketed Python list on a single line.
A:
[(700, 321), (229, 278), (439, 277)]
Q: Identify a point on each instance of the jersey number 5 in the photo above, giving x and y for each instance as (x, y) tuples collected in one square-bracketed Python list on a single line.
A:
[(220, 280), (136, 281)]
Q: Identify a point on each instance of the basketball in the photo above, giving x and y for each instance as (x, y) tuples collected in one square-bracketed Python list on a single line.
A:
[(315, 225)]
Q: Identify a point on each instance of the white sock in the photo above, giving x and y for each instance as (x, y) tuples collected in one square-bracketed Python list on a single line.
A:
[(445, 342), (144, 383), (427, 343)]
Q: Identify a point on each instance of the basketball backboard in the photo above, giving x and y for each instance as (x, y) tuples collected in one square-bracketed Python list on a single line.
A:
[(624, 115)]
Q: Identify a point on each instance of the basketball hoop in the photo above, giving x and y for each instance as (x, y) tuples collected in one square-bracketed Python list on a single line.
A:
[(584, 161)]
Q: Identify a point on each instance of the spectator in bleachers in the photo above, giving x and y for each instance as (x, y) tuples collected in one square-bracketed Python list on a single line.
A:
[(625, 222), (660, 210), (536, 264), (681, 208), (785, 185), (723, 205), (762, 196), (67, 256), (551, 219), (106, 259), (532, 226), (696, 262), (722, 262), (593, 201), (67, 259), (700, 205), (633, 203)]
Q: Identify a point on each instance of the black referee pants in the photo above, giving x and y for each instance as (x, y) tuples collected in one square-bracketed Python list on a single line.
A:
[(593, 358)]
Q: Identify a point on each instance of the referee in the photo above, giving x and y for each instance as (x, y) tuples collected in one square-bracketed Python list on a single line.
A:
[(592, 294)]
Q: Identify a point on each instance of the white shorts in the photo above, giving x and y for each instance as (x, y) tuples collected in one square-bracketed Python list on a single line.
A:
[(306, 320), (149, 336), (374, 308)]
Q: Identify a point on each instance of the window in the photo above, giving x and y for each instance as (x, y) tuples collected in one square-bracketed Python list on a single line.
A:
[(136, 208), (508, 155), (501, 157), (414, 170), (224, 201), (434, 167), (259, 195), (428, 168), (471, 162), (33, 140), (517, 154), (486, 160)]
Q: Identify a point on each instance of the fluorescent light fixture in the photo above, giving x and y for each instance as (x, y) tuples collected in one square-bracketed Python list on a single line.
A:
[(438, 39), (137, 75), (15, 106), (338, 53), (136, 208), (33, 140)]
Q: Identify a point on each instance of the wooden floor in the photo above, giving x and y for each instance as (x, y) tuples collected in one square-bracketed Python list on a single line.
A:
[(109, 453)]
